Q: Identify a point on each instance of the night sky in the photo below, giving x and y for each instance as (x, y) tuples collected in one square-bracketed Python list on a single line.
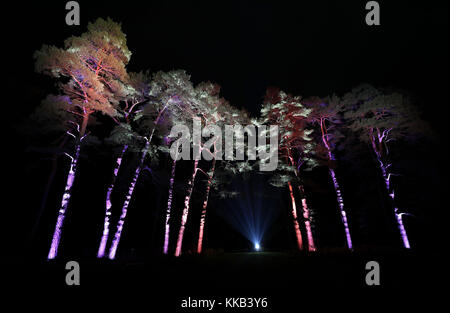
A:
[(311, 48)]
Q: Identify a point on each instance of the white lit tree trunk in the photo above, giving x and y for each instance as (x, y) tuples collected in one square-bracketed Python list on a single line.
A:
[(337, 188), (106, 223), (169, 207), (123, 215), (186, 210), (205, 205), (56, 238), (386, 177)]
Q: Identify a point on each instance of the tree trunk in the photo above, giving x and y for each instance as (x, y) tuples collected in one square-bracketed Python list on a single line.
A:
[(123, 215), (398, 216), (205, 205), (64, 204), (298, 233), (67, 192), (169, 207), (104, 239), (186, 210), (340, 200), (311, 245)]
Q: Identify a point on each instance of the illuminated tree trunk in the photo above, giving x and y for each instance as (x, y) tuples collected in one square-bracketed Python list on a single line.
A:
[(186, 210), (298, 233), (169, 207), (337, 188), (123, 215), (386, 178), (311, 245), (205, 205), (341, 208), (67, 193), (104, 240)]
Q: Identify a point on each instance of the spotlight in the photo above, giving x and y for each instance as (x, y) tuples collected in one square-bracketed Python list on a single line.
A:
[(257, 246)]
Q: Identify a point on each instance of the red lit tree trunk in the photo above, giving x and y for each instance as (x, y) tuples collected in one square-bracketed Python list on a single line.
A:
[(105, 235), (186, 210), (123, 215), (309, 233), (56, 238), (205, 205), (298, 233)]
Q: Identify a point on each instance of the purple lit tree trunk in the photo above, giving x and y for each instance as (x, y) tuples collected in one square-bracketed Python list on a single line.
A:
[(169, 207), (386, 177), (104, 240), (186, 210), (64, 204), (337, 188), (67, 192), (205, 205)]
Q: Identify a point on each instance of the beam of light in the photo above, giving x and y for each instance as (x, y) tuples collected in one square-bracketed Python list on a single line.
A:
[(341, 207), (257, 247), (253, 210)]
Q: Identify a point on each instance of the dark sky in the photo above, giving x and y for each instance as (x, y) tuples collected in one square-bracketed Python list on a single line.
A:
[(308, 48), (304, 47)]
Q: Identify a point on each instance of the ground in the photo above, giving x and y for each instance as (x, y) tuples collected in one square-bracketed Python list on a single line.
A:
[(286, 279)]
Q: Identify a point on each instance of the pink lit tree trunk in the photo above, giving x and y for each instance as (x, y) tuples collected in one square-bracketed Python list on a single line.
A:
[(337, 188), (305, 210), (56, 238), (186, 210), (377, 146), (205, 205), (169, 207), (298, 233), (306, 217), (105, 235)]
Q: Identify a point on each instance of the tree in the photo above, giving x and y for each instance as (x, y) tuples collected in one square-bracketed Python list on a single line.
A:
[(204, 109), (124, 135), (326, 114), (92, 71), (295, 147), (381, 118), (228, 116)]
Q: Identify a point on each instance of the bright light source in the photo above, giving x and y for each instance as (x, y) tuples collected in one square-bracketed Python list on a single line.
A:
[(257, 246)]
